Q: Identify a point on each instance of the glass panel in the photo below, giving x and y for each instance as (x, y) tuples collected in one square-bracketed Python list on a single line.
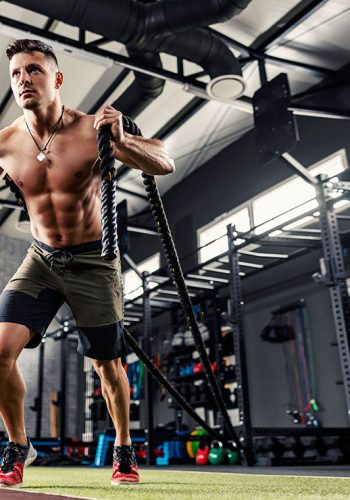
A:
[(218, 230), (132, 282), (291, 194)]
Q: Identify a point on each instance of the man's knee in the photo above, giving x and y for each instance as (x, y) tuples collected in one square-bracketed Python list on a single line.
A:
[(108, 370), (13, 338)]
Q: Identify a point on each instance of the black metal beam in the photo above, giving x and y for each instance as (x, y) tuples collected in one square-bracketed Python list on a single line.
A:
[(109, 90), (255, 54), (70, 46), (10, 204), (5, 100), (291, 20), (4, 215), (49, 23), (99, 41)]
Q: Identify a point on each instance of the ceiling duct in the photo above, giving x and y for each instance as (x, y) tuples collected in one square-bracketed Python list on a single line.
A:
[(164, 25), (131, 21), (144, 89), (208, 51)]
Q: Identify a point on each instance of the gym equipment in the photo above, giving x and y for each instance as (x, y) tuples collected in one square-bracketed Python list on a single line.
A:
[(198, 367), (189, 448), (232, 454), (195, 444), (202, 455), (217, 454), (180, 445), (178, 340)]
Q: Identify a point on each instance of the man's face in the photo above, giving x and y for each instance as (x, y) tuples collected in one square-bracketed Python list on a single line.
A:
[(34, 79)]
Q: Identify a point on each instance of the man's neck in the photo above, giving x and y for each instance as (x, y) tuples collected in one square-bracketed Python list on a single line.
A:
[(42, 120)]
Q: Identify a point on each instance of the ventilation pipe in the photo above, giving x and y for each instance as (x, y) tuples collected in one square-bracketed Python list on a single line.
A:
[(208, 51), (163, 24), (144, 89), (131, 21)]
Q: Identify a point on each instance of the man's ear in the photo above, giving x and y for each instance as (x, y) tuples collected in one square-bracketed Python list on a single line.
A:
[(59, 79)]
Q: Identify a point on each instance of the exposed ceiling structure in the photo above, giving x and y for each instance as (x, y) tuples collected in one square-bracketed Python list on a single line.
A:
[(175, 93)]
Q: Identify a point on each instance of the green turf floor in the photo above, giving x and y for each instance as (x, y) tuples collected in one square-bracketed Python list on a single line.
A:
[(164, 484)]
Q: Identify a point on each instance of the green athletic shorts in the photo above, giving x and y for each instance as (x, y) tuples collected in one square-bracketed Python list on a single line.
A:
[(77, 275)]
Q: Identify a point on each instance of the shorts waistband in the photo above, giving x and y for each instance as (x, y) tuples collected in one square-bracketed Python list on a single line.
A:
[(74, 249)]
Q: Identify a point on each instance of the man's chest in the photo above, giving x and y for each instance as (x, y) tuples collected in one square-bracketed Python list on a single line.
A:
[(65, 166)]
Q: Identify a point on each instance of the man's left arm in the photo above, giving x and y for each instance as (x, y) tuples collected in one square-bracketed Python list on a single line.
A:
[(148, 155)]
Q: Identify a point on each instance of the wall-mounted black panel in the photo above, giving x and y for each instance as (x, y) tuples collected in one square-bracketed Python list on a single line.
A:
[(275, 126)]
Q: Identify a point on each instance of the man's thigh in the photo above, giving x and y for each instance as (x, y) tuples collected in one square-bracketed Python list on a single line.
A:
[(94, 290), (30, 298)]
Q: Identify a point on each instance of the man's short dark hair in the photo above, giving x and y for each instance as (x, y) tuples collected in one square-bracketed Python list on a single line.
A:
[(27, 46)]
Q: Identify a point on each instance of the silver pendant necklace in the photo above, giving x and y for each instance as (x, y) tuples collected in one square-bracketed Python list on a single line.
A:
[(42, 151)]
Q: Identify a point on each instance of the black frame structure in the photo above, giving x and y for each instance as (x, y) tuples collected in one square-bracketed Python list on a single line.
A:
[(294, 243)]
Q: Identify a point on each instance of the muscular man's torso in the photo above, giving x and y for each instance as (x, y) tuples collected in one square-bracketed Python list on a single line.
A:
[(62, 193)]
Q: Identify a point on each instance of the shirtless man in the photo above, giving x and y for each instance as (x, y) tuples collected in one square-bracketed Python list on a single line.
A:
[(51, 155)]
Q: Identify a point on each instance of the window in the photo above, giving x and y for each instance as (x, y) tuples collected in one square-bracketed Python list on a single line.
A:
[(295, 196), (217, 231), (132, 282)]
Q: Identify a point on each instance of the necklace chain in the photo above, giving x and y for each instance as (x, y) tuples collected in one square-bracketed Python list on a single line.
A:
[(41, 156)]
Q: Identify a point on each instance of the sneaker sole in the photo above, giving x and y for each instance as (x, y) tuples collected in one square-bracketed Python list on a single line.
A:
[(12, 486), (122, 483), (32, 454)]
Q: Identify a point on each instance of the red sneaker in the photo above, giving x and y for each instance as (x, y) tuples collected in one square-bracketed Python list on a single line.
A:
[(124, 466), (14, 459)]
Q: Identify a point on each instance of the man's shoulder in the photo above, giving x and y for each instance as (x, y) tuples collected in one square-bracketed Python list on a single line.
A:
[(79, 121), (7, 133), (8, 136), (77, 116)]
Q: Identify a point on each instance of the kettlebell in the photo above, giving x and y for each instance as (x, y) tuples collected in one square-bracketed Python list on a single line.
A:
[(216, 454), (232, 454)]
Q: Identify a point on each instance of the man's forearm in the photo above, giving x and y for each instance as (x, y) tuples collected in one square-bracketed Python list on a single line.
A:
[(148, 155)]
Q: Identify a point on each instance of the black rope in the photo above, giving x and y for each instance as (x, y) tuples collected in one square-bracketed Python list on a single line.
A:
[(108, 194), (156, 373), (174, 266), (109, 235), (109, 187), (16, 191)]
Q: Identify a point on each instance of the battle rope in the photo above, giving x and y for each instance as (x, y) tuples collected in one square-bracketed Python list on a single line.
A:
[(16, 191), (171, 256), (108, 194), (156, 373)]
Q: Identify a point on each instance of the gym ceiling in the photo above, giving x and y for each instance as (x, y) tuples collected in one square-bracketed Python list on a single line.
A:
[(309, 40)]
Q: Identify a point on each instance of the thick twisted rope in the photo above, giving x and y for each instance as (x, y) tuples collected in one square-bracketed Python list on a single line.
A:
[(109, 187), (16, 191), (110, 241), (156, 373), (174, 266), (108, 194)]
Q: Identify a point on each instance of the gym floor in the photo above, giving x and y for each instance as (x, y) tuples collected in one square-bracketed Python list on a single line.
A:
[(181, 483)]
